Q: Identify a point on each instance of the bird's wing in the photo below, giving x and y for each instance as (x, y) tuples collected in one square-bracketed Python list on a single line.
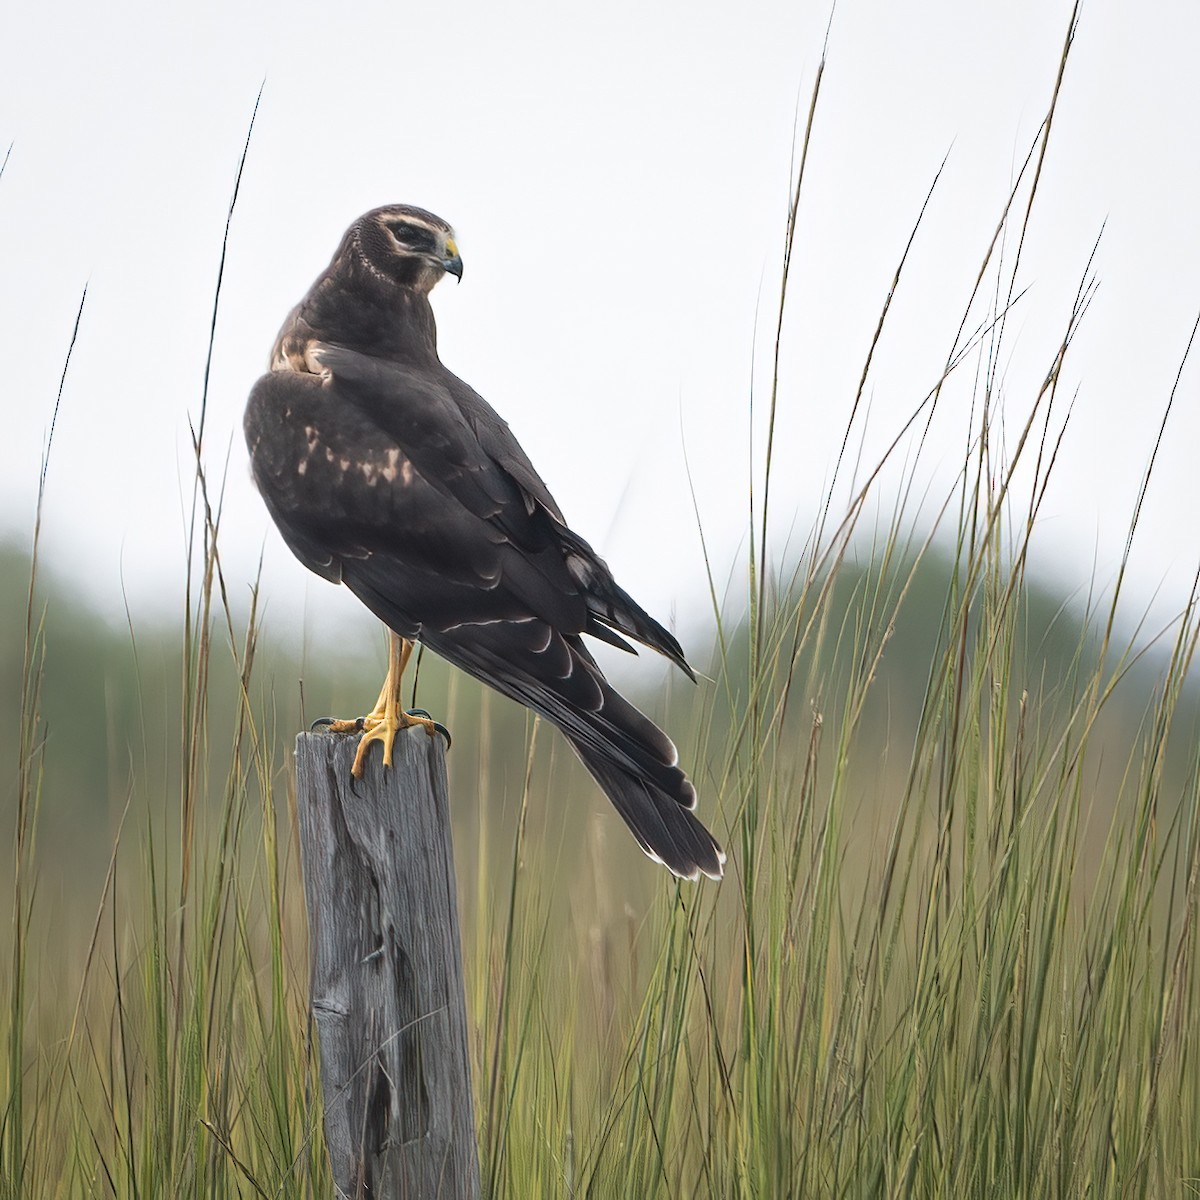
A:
[(461, 446), (496, 440), (344, 491), (453, 437)]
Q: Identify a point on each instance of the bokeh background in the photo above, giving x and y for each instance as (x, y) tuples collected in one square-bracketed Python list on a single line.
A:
[(619, 178)]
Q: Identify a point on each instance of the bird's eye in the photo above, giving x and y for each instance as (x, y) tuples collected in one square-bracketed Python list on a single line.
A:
[(413, 235)]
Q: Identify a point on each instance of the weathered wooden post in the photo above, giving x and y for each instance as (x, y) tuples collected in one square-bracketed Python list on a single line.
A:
[(387, 981)]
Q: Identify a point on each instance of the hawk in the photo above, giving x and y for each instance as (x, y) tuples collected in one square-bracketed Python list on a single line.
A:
[(386, 473)]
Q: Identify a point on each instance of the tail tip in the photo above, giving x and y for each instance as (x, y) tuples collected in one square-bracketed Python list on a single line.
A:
[(709, 863)]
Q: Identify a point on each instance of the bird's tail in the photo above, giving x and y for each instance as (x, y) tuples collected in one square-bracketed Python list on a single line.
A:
[(636, 764), (554, 674), (628, 755), (663, 824)]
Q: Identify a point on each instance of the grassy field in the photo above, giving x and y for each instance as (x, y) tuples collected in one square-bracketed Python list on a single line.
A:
[(954, 954)]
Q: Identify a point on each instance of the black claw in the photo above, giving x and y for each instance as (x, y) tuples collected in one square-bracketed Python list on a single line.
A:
[(358, 723), (421, 712)]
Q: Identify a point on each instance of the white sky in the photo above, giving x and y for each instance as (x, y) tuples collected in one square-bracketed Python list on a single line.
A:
[(618, 179)]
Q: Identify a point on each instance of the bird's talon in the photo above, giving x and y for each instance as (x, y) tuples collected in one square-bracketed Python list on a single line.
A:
[(338, 725), (419, 716)]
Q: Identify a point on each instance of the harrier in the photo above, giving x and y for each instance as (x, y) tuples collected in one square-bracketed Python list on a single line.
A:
[(388, 474)]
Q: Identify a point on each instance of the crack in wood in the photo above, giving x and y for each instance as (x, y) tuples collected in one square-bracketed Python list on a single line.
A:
[(387, 987)]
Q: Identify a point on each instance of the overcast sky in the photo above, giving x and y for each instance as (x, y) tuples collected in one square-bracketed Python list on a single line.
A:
[(618, 177)]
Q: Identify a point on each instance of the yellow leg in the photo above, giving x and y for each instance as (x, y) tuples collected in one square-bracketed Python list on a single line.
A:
[(388, 717)]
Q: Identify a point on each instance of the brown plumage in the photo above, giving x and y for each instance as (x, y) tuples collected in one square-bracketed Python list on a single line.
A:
[(387, 473)]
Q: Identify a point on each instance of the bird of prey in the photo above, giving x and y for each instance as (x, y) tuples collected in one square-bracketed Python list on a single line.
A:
[(388, 474)]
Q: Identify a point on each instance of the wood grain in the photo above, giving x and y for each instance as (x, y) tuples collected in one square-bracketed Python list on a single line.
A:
[(387, 984)]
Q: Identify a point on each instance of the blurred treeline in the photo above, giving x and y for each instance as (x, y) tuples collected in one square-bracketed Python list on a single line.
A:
[(111, 701)]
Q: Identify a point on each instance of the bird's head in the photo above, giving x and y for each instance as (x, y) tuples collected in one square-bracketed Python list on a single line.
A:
[(406, 245)]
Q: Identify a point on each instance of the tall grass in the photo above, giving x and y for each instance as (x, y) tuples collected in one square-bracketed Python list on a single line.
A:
[(954, 954)]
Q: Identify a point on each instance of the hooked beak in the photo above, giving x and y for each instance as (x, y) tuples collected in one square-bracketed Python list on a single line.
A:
[(452, 264)]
